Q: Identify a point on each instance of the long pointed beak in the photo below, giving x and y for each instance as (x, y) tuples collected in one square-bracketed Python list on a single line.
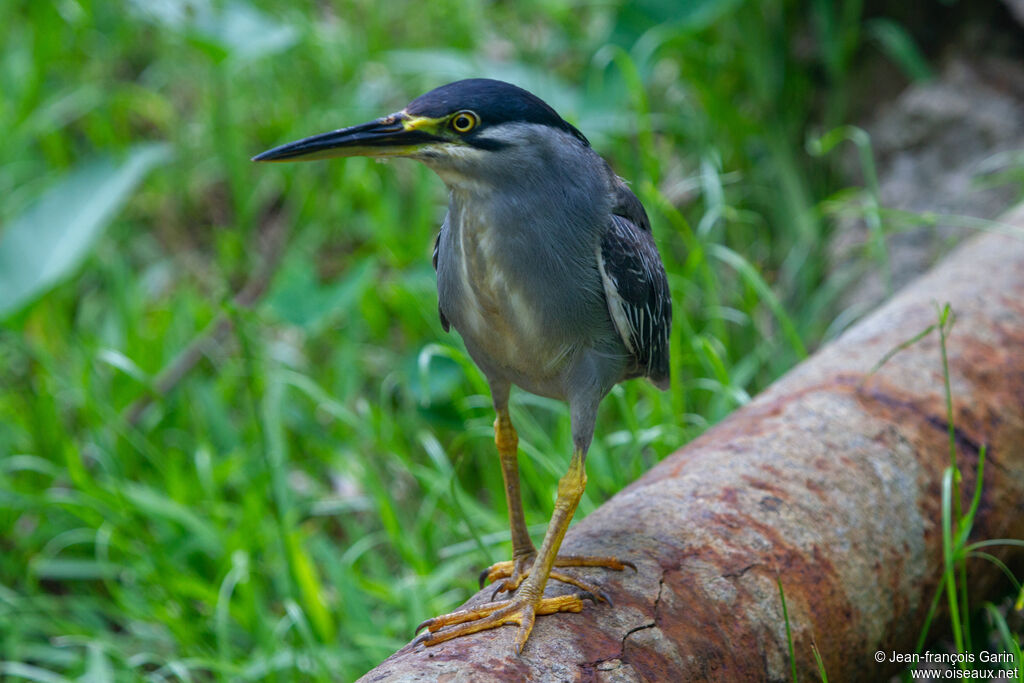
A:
[(395, 135)]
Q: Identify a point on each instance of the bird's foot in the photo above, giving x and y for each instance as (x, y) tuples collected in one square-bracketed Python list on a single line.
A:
[(513, 572), (521, 611)]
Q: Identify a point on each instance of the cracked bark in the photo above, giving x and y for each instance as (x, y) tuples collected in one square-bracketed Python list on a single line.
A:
[(829, 481)]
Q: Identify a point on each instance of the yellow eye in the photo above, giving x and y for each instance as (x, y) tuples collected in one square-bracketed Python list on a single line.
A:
[(464, 121)]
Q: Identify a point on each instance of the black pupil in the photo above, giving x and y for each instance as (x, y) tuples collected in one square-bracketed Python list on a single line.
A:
[(463, 122)]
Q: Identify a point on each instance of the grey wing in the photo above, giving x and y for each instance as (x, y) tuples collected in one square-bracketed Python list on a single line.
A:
[(636, 289), (437, 249)]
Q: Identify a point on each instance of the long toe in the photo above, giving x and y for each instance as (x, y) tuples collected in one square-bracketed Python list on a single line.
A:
[(590, 588), (511, 573), (606, 561), (462, 615), (518, 611)]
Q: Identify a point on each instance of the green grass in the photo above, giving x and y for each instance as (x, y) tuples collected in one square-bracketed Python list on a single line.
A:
[(324, 478)]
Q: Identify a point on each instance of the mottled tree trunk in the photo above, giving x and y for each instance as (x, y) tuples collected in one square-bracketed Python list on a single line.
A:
[(829, 481)]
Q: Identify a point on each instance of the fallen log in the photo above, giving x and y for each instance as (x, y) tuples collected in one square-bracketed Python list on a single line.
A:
[(830, 482)]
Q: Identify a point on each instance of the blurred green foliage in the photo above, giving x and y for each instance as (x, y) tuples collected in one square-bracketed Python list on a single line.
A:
[(325, 478)]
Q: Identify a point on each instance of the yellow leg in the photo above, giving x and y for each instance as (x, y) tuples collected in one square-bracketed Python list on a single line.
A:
[(528, 601), (507, 440), (514, 571)]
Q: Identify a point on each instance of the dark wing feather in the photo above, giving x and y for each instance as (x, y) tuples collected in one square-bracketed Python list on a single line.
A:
[(636, 287), (437, 248)]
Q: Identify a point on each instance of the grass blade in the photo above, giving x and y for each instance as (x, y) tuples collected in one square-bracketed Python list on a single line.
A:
[(789, 632)]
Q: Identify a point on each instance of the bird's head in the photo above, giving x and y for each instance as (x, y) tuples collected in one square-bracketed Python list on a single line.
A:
[(468, 128)]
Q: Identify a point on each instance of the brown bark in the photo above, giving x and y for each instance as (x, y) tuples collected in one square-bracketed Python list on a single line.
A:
[(829, 481)]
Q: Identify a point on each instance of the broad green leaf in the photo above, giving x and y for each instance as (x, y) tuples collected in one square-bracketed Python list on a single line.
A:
[(232, 29), (48, 240), (245, 32)]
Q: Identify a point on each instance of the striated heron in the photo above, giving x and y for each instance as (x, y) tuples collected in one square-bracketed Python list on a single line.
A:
[(547, 269)]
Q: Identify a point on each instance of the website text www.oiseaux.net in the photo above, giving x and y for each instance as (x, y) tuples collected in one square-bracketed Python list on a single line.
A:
[(932, 666)]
